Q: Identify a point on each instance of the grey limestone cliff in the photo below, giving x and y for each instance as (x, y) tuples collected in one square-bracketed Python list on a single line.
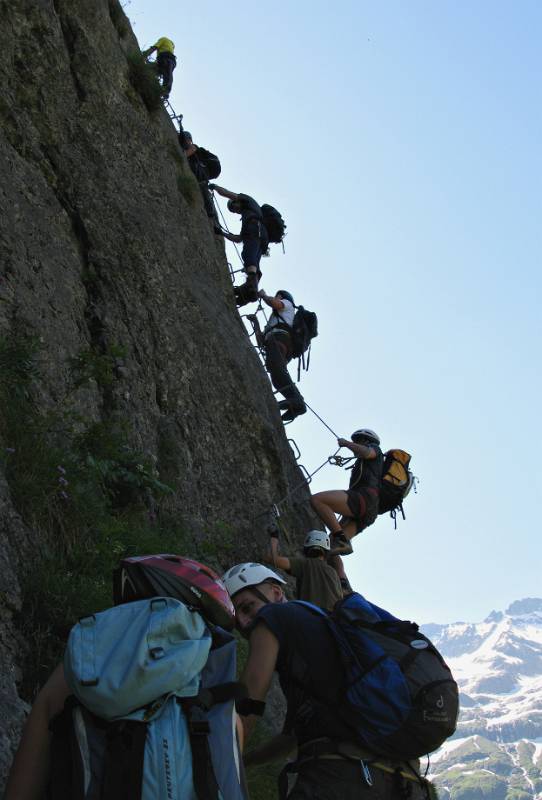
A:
[(104, 244)]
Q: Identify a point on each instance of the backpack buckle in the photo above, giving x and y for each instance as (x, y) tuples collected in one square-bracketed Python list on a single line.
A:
[(366, 773)]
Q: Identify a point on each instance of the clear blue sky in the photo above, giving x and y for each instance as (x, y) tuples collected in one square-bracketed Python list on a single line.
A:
[(401, 142)]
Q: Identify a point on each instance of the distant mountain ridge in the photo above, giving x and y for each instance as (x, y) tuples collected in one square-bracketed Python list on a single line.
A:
[(497, 751)]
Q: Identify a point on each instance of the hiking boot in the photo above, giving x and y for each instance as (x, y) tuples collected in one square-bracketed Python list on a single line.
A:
[(293, 412), (340, 545), (246, 293)]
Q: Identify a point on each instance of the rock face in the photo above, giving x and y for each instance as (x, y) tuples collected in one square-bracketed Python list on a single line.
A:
[(104, 244), (498, 664)]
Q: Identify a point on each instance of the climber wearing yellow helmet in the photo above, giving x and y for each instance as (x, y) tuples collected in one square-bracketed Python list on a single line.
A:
[(165, 62)]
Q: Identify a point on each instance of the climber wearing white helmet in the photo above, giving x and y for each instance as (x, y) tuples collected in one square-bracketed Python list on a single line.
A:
[(317, 580), (359, 504), (252, 585), (289, 638)]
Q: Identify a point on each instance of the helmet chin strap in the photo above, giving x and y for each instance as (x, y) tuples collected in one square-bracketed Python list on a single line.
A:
[(259, 595), (247, 629)]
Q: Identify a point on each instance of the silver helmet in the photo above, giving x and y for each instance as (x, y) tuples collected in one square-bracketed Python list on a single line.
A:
[(317, 539), (365, 435)]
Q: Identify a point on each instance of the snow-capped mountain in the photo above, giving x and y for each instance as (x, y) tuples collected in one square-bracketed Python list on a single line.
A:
[(496, 753)]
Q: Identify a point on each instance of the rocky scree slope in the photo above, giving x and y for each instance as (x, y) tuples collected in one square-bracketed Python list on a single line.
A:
[(497, 750), (106, 253)]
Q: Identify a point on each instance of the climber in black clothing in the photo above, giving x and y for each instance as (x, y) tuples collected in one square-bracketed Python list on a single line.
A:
[(277, 342), (359, 504), (205, 166), (254, 238), (287, 638)]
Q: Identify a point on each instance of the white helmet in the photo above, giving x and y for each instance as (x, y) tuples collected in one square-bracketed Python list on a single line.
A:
[(367, 434), (317, 539), (242, 576)]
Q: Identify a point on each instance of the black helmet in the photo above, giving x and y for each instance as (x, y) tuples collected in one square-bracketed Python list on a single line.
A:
[(285, 295), (365, 435), (187, 135)]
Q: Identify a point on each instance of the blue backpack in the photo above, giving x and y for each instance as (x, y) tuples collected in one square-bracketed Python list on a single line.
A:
[(400, 699), (152, 713)]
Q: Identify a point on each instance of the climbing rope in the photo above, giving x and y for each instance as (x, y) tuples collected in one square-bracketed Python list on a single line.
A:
[(275, 508), (322, 421), (334, 459)]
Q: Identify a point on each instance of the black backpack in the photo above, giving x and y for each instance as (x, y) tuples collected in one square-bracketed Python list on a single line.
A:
[(304, 330), (274, 224), (210, 162)]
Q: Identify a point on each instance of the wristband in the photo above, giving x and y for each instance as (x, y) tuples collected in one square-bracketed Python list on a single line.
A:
[(247, 707)]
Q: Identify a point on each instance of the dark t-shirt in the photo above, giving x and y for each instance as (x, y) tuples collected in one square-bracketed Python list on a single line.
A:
[(310, 672), (250, 213), (367, 472), (317, 582)]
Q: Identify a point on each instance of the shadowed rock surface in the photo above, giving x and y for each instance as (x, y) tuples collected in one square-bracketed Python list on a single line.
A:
[(104, 244)]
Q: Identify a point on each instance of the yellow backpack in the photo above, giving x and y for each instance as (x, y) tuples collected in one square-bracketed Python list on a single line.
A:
[(397, 481)]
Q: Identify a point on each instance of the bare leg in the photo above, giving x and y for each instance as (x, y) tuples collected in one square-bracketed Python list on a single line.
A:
[(327, 505)]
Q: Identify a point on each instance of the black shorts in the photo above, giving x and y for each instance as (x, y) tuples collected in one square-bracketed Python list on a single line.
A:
[(364, 507)]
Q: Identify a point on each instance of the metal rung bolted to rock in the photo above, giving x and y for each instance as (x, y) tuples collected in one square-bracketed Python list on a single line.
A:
[(295, 448), (306, 473)]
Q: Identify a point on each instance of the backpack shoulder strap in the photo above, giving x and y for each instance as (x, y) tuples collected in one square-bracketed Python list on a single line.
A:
[(316, 610), (195, 708)]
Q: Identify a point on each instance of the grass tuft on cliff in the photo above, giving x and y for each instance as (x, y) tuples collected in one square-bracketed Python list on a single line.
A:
[(188, 188), (82, 486), (144, 79)]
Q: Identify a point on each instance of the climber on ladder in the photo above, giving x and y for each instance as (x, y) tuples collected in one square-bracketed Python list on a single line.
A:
[(359, 504), (276, 340), (317, 580), (205, 167), (165, 62), (254, 238)]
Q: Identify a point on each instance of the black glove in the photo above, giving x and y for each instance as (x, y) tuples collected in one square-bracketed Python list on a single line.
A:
[(273, 532)]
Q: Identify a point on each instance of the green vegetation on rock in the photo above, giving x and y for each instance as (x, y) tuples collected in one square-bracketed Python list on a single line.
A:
[(92, 497), (144, 79)]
